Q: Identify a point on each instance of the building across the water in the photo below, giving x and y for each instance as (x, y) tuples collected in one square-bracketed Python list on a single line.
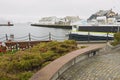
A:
[(104, 17), (59, 21)]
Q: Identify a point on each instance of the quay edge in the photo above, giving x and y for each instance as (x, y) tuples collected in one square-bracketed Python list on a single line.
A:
[(6, 24), (53, 26)]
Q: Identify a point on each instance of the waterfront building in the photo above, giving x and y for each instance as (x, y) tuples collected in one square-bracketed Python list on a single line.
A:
[(59, 21), (72, 19), (104, 17), (48, 20)]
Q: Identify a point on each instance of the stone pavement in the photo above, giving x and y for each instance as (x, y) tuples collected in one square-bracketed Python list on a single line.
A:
[(99, 67)]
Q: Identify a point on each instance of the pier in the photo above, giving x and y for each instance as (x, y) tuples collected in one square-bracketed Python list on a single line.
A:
[(53, 26), (6, 25)]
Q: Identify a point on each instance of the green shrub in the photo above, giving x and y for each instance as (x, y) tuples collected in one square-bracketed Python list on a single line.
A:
[(83, 46), (47, 56), (25, 75), (116, 39), (64, 47), (22, 64), (46, 63), (56, 47), (5, 76)]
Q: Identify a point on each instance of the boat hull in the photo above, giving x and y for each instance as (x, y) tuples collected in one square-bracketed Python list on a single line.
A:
[(93, 33), (99, 28), (80, 37)]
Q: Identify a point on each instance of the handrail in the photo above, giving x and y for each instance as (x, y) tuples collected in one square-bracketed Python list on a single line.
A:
[(31, 37), (57, 67)]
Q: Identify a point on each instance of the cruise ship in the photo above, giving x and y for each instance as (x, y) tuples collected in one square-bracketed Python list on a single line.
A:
[(99, 26)]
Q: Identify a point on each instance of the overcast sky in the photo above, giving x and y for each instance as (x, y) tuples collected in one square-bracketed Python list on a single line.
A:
[(30, 10)]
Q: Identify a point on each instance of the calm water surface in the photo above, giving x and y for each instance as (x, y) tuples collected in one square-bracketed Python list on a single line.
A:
[(22, 31)]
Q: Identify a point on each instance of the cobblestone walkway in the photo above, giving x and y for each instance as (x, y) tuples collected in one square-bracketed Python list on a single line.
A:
[(100, 67)]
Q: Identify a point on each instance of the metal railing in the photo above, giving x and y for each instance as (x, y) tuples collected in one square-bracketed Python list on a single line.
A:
[(27, 41), (31, 37)]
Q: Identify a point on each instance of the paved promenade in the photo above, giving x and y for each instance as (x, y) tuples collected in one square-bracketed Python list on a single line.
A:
[(99, 67)]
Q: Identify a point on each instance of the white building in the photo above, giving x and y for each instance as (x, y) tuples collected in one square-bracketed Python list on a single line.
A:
[(48, 20), (59, 21)]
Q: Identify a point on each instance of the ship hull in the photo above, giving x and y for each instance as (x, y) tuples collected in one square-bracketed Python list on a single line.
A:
[(99, 28), (80, 37), (94, 33)]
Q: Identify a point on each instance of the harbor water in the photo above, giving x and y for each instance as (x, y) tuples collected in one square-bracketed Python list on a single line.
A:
[(22, 31)]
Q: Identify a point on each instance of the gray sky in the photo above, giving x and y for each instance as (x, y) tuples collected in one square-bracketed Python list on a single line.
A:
[(30, 10)]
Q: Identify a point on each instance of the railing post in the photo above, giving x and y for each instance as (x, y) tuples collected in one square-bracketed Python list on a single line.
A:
[(107, 36), (50, 36), (94, 53), (12, 37), (29, 37), (17, 46), (6, 37), (88, 36), (118, 29), (29, 43)]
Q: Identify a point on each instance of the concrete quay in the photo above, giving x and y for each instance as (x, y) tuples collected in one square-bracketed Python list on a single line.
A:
[(100, 67), (6, 24), (53, 26)]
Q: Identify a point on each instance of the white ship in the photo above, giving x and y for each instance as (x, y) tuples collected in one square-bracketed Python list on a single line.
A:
[(99, 26)]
